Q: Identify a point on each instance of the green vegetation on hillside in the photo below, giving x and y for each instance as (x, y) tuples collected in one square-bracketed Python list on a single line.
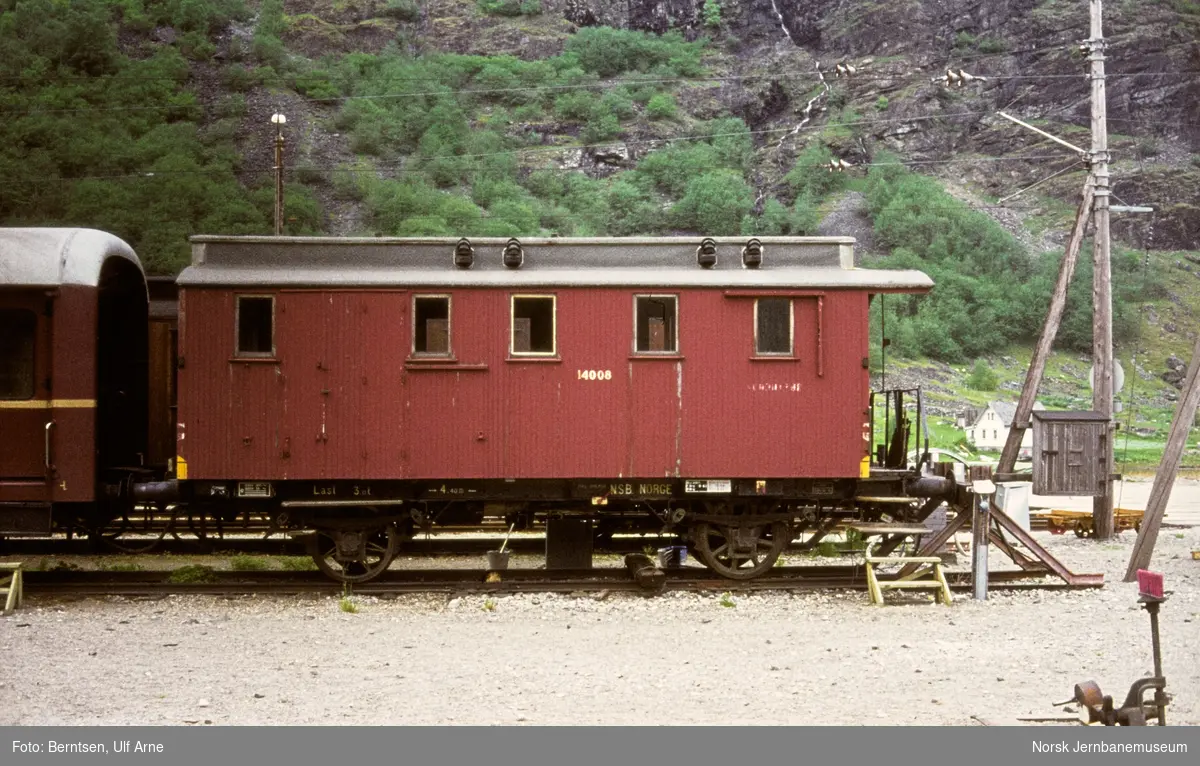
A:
[(990, 292), (94, 137), (135, 116)]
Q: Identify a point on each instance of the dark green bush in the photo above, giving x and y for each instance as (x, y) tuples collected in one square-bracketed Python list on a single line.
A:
[(608, 52), (404, 10), (661, 107), (511, 7), (714, 203)]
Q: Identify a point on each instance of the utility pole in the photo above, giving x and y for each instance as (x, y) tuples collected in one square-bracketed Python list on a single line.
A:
[(279, 121), (1102, 350), (1037, 365)]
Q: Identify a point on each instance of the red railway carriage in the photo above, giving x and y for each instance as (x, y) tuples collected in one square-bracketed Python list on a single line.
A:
[(73, 386), (361, 386)]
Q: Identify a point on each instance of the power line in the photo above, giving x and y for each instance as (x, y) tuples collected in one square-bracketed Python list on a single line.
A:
[(604, 84)]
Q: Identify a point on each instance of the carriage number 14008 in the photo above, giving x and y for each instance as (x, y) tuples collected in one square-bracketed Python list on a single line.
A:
[(595, 374)]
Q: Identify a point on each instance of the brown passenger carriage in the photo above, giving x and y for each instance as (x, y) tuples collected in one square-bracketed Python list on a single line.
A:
[(360, 390)]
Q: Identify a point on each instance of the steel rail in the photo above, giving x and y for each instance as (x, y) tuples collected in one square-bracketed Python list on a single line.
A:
[(152, 584)]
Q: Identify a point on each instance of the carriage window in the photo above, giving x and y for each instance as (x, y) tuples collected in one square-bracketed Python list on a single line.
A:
[(431, 325), (533, 324), (256, 325), (655, 324), (18, 328), (773, 326)]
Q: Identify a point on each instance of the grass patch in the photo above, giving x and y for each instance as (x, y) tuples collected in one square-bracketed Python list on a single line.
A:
[(297, 564), (727, 600), (248, 564), (489, 605), (347, 605), (123, 566), (192, 573)]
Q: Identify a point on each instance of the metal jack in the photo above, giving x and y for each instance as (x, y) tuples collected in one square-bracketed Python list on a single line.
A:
[(1136, 711)]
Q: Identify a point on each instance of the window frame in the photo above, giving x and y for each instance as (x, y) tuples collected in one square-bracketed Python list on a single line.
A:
[(791, 352), (33, 358), (675, 319), (237, 327), (512, 326), (449, 352)]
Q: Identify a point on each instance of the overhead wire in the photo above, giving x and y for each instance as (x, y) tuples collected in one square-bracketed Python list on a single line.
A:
[(602, 84)]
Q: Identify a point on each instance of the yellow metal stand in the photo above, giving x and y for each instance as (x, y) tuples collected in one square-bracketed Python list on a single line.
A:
[(929, 566), (11, 587)]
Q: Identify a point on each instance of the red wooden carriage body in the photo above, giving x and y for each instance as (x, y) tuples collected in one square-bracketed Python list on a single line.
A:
[(347, 386)]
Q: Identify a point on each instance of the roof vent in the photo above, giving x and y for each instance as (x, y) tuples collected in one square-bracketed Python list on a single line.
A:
[(706, 254), (513, 254), (464, 254), (752, 254)]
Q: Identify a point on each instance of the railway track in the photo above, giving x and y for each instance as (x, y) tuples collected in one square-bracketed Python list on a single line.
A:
[(280, 545), (464, 581)]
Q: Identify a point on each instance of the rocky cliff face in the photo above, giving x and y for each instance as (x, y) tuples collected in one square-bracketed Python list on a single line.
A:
[(1027, 50)]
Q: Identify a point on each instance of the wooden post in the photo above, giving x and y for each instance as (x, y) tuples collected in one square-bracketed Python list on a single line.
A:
[(1102, 351), (983, 489), (1160, 493), (1037, 365)]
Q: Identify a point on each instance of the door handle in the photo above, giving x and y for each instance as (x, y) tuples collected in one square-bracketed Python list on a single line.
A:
[(49, 427)]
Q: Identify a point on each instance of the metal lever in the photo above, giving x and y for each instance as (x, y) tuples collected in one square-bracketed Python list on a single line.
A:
[(49, 465)]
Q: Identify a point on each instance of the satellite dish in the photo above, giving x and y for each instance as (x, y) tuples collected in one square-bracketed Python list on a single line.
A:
[(1118, 377)]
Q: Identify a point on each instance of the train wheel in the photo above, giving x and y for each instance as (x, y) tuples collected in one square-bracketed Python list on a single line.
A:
[(1082, 530), (130, 533), (354, 555), (740, 551)]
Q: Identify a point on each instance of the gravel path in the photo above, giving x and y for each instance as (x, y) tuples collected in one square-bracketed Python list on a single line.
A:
[(540, 659)]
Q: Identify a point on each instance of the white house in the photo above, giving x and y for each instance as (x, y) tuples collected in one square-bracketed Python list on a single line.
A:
[(990, 429)]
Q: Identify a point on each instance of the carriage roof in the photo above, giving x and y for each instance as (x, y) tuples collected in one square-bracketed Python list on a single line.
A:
[(787, 262), (49, 257)]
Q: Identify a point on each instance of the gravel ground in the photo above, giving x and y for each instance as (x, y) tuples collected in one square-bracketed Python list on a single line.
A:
[(827, 658)]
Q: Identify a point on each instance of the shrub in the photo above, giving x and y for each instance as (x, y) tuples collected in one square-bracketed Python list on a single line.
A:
[(730, 137), (714, 204), (991, 45), (631, 211), (600, 128), (670, 169), (240, 78), (404, 10), (712, 14), (804, 217), (196, 46), (233, 105), (608, 52), (981, 378), (662, 106), (576, 106), (618, 104), (316, 84), (511, 7)]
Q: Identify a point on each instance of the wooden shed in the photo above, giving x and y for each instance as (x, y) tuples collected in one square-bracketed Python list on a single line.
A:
[(1069, 454)]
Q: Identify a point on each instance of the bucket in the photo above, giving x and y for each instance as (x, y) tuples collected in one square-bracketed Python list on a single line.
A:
[(672, 557), (497, 560)]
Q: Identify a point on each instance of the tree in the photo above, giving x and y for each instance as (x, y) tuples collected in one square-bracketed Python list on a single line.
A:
[(981, 378)]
